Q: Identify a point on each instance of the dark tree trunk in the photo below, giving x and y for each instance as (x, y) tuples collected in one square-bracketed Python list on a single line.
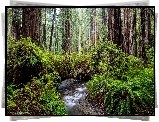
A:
[(104, 17), (52, 28), (114, 25), (31, 24), (95, 27), (16, 23), (67, 31), (132, 35), (104, 22), (110, 23), (56, 40), (117, 26), (91, 27), (44, 32), (126, 31), (147, 26), (142, 53), (80, 31)]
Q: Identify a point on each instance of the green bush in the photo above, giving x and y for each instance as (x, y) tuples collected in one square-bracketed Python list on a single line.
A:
[(36, 98), (122, 85), (72, 66), (150, 53), (26, 60), (135, 96), (33, 69)]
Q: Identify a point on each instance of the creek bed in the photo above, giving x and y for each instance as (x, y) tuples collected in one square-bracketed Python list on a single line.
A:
[(75, 95)]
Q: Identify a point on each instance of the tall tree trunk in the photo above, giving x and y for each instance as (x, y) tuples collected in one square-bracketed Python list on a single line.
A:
[(31, 24), (104, 22), (117, 26), (79, 34), (95, 27), (104, 17), (16, 23), (67, 30), (52, 28), (132, 36), (126, 33), (44, 31), (142, 53), (147, 26), (114, 25), (91, 27), (56, 39), (110, 23)]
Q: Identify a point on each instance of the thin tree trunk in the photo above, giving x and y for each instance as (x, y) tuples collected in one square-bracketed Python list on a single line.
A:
[(79, 34), (44, 32), (147, 26), (95, 27), (104, 22), (132, 36), (126, 33), (91, 28), (110, 26), (52, 28), (56, 41), (16, 23)]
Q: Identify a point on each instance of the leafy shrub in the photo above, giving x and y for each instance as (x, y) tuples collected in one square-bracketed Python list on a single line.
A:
[(132, 97), (122, 85), (72, 66), (36, 98), (106, 57), (150, 53), (26, 60), (33, 68)]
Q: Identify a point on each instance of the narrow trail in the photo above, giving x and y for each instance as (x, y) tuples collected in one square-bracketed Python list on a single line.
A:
[(75, 95)]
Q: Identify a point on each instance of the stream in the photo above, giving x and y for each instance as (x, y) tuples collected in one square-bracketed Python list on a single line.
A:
[(75, 95)]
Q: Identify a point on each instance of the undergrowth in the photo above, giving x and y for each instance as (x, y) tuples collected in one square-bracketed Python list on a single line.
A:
[(121, 84), (125, 87)]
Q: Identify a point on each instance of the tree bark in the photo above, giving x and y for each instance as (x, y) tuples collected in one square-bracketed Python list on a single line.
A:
[(52, 28), (110, 23), (79, 34), (31, 24), (132, 36), (126, 32), (117, 26), (95, 27), (16, 23), (44, 31), (142, 53), (67, 31), (104, 22), (147, 26)]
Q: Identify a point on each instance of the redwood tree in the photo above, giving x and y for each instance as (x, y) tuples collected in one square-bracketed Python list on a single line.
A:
[(31, 24)]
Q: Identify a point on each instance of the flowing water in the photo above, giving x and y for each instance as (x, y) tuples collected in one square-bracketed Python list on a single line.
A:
[(75, 95)]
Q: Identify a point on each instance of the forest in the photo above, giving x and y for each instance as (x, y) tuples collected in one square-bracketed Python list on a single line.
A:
[(111, 49)]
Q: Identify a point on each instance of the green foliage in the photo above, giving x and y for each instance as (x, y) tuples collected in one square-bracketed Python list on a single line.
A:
[(32, 68), (132, 97), (26, 60), (150, 53), (121, 84), (124, 87), (72, 65), (36, 98)]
